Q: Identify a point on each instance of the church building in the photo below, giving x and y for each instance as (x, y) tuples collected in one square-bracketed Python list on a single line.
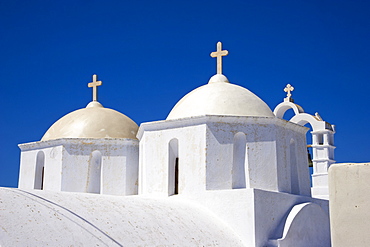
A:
[(222, 169)]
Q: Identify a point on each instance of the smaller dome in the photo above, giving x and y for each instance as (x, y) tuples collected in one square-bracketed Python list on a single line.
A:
[(94, 121), (219, 97)]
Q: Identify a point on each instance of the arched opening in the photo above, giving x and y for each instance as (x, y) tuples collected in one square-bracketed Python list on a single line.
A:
[(285, 106), (294, 179), (176, 176), (288, 114), (39, 171), (316, 137), (309, 141), (239, 161), (320, 139), (94, 173), (173, 167)]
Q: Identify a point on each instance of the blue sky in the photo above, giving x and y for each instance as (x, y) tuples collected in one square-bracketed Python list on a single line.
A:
[(151, 53)]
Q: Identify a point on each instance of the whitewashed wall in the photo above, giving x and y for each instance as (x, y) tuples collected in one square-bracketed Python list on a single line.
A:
[(106, 166), (224, 152)]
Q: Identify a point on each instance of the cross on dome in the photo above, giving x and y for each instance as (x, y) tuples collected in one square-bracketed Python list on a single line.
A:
[(94, 84), (288, 89), (219, 54)]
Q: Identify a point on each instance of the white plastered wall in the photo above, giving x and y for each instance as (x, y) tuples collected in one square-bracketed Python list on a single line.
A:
[(52, 166), (269, 158), (155, 156), (68, 165), (349, 200), (206, 149), (258, 216)]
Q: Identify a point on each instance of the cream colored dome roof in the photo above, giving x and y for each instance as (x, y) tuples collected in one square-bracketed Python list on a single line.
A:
[(219, 97), (94, 121)]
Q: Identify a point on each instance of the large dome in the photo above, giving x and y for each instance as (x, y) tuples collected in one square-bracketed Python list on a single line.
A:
[(94, 121), (219, 97)]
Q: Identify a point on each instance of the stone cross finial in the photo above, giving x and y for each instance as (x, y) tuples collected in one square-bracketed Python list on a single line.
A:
[(219, 54), (288, 89), (95, 84)]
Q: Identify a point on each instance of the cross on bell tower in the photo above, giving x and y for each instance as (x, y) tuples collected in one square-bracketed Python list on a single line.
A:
[(219, 54), (288, 89), (94, 84)]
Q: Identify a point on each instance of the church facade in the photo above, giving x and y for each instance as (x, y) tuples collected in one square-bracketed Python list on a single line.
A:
[(222, 170)]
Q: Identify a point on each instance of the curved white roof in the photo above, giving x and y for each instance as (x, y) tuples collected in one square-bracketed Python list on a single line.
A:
[(219, 97), (94, 121), (45, 218)]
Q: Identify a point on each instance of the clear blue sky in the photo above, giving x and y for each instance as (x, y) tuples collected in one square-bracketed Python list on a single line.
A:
[(151, 53)]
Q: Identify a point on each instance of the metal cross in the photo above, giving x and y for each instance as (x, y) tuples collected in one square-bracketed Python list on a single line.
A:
[(95, 84), (219, 54)]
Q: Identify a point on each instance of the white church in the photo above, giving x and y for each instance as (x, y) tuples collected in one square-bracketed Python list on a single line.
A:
[(222, 170)]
